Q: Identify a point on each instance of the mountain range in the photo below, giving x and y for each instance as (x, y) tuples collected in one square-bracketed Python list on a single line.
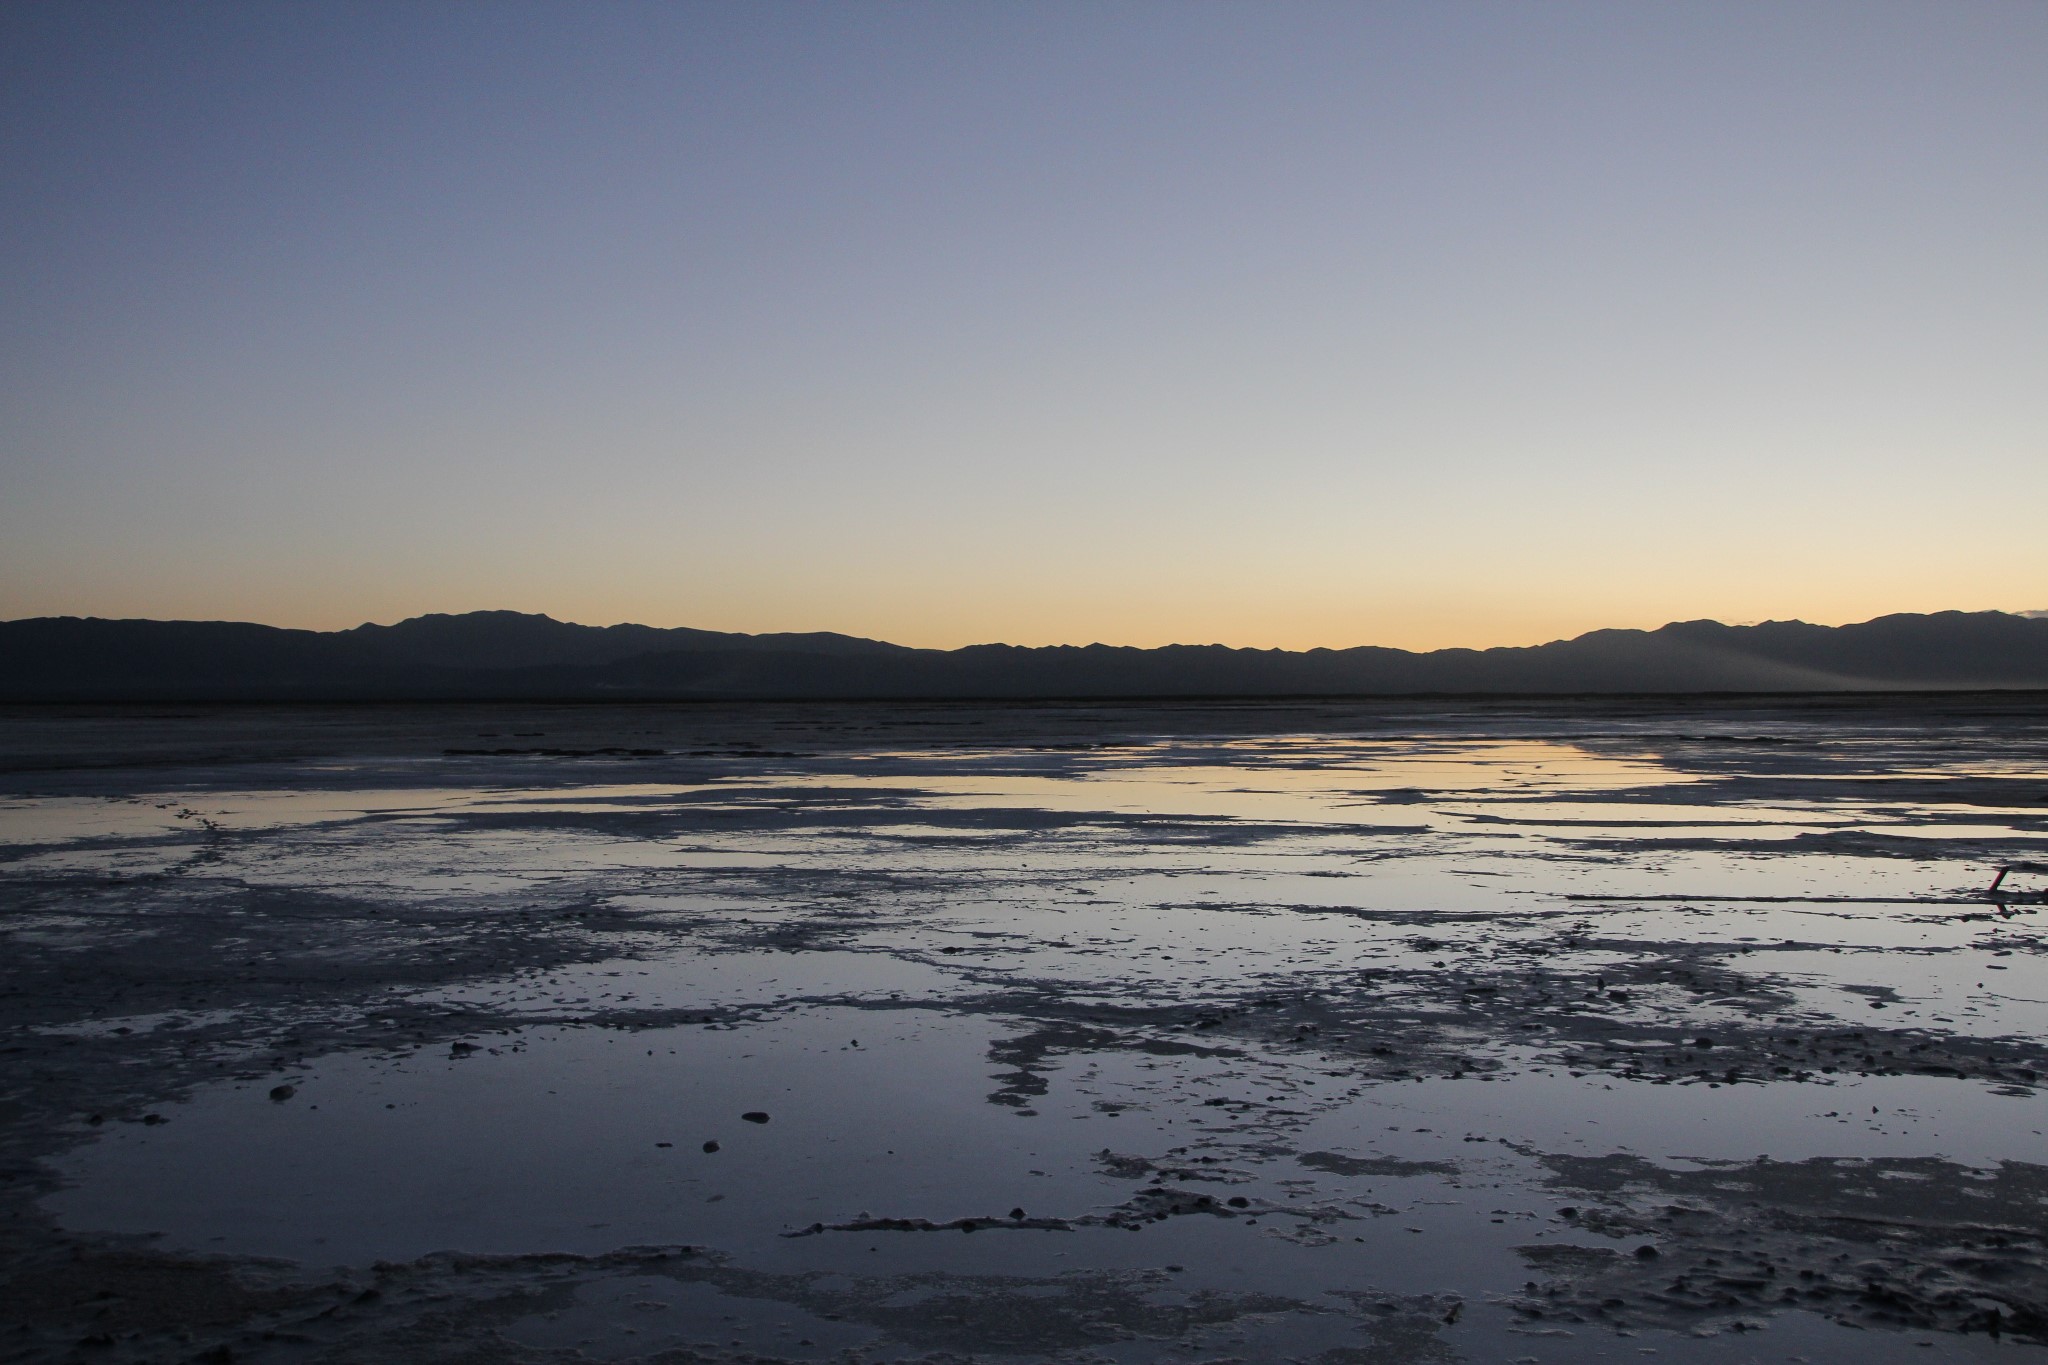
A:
[(516, 656)]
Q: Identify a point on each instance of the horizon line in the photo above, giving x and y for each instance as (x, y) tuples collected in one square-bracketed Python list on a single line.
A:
[(2022, 614)]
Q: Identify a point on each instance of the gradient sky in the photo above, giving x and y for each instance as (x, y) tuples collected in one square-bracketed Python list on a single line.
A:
[(1262, 323)]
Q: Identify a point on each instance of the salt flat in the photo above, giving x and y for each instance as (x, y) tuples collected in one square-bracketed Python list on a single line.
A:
[(1319, 1031)]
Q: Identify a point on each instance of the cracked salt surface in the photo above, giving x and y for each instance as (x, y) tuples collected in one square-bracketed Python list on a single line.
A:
[(1380, 1032)]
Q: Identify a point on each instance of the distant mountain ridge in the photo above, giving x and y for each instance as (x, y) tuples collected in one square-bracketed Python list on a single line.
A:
[(511, 639), (518, 656)]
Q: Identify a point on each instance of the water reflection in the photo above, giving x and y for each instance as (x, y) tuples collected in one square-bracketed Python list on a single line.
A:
[(1383, 991)]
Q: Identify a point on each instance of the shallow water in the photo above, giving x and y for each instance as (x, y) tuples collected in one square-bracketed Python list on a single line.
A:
[(1465, 1016)]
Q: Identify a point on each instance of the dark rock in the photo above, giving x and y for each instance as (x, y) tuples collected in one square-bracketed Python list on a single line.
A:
[(755, 1116), (711, 1146), (280, 1093)]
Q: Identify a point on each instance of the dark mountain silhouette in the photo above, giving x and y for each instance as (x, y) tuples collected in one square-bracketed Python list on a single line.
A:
[(511, 639), (510, 655)]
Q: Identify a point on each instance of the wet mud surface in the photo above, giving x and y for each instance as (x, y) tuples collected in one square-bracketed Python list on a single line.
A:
[(1330, 1032)]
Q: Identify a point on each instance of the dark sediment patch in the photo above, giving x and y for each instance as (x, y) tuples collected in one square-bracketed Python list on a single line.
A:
[(1900, 1243)]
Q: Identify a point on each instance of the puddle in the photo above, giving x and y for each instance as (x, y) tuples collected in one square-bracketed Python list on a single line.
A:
[(553, 1140), (1539, 1033)]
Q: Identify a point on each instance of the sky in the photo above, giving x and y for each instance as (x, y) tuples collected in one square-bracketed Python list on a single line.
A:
[(1274, 324)]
